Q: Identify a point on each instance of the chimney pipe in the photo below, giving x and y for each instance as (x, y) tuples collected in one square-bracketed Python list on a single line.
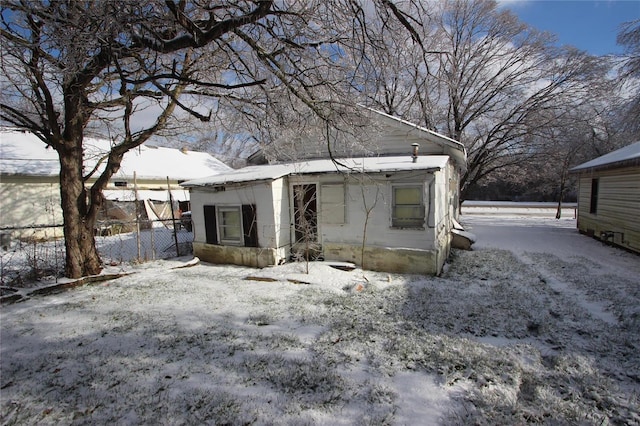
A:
[(414, 153)]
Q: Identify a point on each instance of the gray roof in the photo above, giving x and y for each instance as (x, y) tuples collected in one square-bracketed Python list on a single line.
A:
[(345, 165), (620, 156)]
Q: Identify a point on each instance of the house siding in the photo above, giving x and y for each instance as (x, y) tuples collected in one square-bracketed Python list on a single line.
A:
[(26, 203), (30, 200), (268, 198), (382, 136), (446, 209), (421, 250), (374, 192), (617, 215)]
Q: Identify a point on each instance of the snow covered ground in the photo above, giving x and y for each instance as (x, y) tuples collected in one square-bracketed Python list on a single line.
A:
[(538, 324)]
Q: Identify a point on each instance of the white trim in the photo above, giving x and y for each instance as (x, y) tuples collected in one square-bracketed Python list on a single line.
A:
[(229, 208), (355, 166), (416, 185)]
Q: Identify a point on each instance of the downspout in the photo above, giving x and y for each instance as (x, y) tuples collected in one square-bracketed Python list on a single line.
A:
[(430, 198)]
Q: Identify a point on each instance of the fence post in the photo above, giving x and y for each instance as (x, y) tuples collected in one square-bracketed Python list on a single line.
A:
[(173, 218), (135, 191)]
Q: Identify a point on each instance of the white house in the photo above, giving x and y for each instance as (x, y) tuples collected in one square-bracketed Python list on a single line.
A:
[(390, 213), (29, 184)]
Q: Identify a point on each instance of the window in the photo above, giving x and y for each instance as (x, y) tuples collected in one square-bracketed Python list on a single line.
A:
[(332, 204), (230, 225), (593, 207), (408, 207), (120, 183)]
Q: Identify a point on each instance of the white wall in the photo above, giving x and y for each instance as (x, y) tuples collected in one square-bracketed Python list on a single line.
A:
[(378, 135), (374, 193), (27, 204), (260, 194)]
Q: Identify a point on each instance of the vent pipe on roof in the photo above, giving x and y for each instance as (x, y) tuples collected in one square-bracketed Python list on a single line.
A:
[(183, 150), (414, 153)]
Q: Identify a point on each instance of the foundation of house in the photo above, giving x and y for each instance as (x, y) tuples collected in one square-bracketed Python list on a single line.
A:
[(255, 257), (385, 259)]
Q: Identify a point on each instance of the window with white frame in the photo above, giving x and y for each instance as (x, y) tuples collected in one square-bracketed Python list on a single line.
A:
[(408, 207), (230, 225)]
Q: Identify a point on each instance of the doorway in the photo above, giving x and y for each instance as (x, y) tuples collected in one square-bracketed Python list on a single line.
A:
[(305, 218)]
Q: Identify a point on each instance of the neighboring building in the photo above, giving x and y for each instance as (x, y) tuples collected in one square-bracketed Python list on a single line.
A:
[(318, 208), (30, 190), (609, 197)]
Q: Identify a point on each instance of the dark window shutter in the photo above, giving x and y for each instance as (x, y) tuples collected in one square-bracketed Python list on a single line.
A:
[(210, 227), (250, 225)]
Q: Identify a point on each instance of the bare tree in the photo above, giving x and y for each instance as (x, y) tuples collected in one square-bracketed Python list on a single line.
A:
[(629, 38), (502, 78), (479, 75), (66, 63), (135, 65)]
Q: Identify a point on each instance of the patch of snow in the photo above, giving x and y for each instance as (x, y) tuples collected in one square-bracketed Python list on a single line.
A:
[(420, 397), (23, 153), (529, 326)]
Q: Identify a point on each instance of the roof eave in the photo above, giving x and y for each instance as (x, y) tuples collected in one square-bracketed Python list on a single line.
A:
[(190, 184), (633, 162)]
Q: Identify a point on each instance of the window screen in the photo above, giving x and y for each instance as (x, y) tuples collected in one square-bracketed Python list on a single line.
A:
[(332, 205), (408, 207), (230, 225)]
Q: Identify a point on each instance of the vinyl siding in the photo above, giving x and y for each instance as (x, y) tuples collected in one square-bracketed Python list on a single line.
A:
[(617, 217)]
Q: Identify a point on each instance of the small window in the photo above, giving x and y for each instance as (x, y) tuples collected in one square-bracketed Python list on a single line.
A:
[(120, 183), (593, 206), (230, 225), (332, 204), (408, 207)]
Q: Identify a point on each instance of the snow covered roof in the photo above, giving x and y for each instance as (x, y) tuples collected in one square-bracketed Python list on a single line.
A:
[(146, 194), (23, 153), (622, 155), (345, 165)]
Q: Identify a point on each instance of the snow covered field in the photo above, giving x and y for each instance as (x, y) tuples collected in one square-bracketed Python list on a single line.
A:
[(538, 324)]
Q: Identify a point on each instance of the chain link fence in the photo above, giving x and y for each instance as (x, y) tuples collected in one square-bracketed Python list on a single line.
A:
[(32, 253)]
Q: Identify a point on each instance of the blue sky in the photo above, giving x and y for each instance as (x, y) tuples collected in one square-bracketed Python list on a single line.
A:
[(590, 25)]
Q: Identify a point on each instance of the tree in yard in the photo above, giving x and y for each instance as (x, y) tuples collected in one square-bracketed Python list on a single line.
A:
[(502, 80), (629, 38), (482, 77), (66, 63)]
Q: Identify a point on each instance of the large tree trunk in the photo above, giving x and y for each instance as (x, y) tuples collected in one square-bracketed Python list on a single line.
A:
[(82, 257)]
